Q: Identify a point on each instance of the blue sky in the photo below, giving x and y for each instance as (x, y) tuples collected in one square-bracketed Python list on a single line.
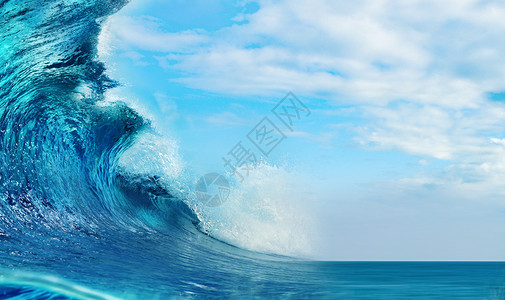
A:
[(402, 155)]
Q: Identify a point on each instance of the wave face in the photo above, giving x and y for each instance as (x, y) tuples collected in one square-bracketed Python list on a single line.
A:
[(60, 145), (59, 150), (67, 207)]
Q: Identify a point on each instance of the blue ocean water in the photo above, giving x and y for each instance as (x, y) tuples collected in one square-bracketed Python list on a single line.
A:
[(258, 277), (75, 224)]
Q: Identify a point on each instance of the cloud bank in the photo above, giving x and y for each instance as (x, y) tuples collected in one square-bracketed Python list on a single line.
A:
[(425, 76)]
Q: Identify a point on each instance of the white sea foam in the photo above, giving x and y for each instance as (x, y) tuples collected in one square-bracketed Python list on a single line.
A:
[(153, 154), (267, 212)]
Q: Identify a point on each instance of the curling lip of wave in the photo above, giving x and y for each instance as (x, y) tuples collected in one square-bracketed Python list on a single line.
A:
[(59, 149)]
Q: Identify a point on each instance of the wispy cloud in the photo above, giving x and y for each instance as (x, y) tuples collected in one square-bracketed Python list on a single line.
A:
[(225, 119), (323, 139), (137, 58), (371, 51), (418, 71), (147, 33)]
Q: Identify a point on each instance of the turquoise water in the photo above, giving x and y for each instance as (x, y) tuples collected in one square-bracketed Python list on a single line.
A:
[(76, 224), (286, 279)]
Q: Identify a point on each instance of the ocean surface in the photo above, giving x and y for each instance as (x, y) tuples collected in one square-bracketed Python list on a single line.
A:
[(248, 277), (77, 223)]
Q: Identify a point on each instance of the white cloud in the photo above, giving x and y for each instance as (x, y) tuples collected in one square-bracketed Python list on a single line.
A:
[(167, 106), (418, 70), (323, 139), (137, 58), (370, 52), (225, 118), (147, 33)]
